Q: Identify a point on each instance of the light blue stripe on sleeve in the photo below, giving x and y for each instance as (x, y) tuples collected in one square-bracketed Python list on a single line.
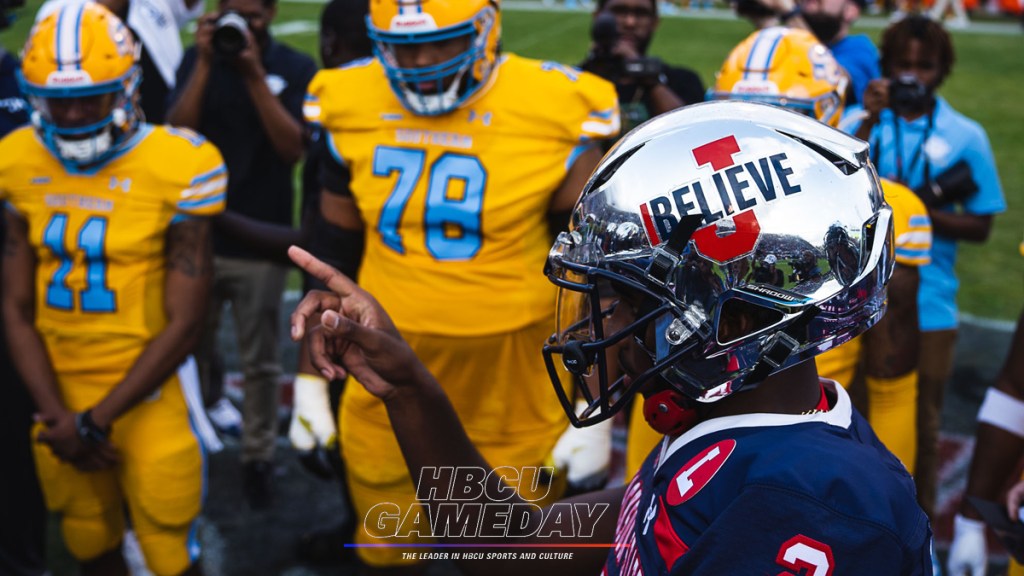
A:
[(202, 201), (913, 254), (920, 220), (580, 149), (209, 175)]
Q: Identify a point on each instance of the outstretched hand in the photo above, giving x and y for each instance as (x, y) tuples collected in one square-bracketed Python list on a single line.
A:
[(1014, 501), (355, 335)]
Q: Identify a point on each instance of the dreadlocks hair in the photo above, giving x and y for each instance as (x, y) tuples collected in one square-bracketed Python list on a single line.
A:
[(933, 38)]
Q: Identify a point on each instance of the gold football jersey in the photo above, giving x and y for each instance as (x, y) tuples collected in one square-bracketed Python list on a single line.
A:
[(455, 206), (99, 238), (912, 231)]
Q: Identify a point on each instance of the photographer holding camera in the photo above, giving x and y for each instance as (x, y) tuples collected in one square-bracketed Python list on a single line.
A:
[(919, 140), (244, 92), (621, 33)]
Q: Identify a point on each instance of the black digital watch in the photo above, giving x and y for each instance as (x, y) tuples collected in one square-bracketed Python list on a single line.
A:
[(88, 430)]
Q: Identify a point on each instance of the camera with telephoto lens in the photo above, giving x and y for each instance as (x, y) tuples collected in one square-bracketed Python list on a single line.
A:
[(908, 94), (601, 61), (6, 6), (230, 34), (954, 185)]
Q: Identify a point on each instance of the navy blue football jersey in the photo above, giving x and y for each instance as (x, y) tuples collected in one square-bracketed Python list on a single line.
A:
[(774, 494)]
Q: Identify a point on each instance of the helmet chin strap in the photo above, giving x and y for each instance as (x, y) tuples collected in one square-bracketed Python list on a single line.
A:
[(668, 414), (86, 150), (436, 103)]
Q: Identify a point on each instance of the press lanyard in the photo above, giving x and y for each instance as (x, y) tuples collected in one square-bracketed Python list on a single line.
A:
[(901, 176)]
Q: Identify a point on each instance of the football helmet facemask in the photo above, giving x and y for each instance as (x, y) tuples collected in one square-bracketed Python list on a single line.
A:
[(82, 55), (440, 88), (673, 224), (786, 67)]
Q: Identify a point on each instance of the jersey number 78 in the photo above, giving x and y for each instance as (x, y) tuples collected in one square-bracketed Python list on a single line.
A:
[(451, 225)]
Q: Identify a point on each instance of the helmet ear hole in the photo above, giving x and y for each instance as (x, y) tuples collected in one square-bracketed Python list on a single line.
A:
[(740, 319)]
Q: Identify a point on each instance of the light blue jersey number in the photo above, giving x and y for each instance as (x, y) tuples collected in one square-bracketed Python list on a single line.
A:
[(92, 239), (442, 213)]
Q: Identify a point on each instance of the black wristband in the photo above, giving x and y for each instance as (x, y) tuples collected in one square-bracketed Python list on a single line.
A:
[(787, 16), (88, 430)]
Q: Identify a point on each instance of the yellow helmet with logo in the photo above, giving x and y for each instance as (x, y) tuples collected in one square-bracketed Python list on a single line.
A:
[(786, 67), (437, 88), (82, 54)]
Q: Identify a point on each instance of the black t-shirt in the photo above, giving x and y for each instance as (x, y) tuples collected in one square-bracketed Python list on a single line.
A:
[(153, 89), (635, 100), (259, 181), (13, 108)]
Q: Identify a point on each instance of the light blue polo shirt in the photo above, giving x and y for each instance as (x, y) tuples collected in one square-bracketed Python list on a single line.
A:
[(859, 57), (953, 137)]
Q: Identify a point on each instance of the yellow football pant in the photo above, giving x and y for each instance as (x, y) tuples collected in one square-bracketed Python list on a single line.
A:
[(159, 480), (501, 391)]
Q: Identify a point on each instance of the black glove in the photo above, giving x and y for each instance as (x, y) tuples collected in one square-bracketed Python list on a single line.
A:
[(954, 185)]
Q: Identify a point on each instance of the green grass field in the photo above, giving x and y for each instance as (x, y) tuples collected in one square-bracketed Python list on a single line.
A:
[(986, 81)]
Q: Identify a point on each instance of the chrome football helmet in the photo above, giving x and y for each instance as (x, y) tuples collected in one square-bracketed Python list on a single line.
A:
[(676, 220)]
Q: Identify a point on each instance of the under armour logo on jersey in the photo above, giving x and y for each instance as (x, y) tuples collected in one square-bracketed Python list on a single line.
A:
[(484, 118), (125, 185), (651, 514), (699, 471)]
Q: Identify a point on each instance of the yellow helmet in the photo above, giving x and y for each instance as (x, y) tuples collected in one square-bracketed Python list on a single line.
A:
[(786, 67), (82, 53), (443, 87)]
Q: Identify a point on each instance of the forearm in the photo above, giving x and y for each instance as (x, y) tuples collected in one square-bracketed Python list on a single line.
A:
[(864, 130), (189, 264), (997, 451), (663, 99), (424, 406), (996, 454), (158, 360), (270, 240), (25, 344), (449, 452), (28, 352), (187, 110), (959, 226), (891, 346), (284, 131)]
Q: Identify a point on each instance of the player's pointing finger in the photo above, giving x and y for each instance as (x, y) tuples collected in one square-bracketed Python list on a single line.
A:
[(335, 280)]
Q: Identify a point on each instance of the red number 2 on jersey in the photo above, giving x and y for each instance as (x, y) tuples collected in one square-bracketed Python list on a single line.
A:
[(806, 557)]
